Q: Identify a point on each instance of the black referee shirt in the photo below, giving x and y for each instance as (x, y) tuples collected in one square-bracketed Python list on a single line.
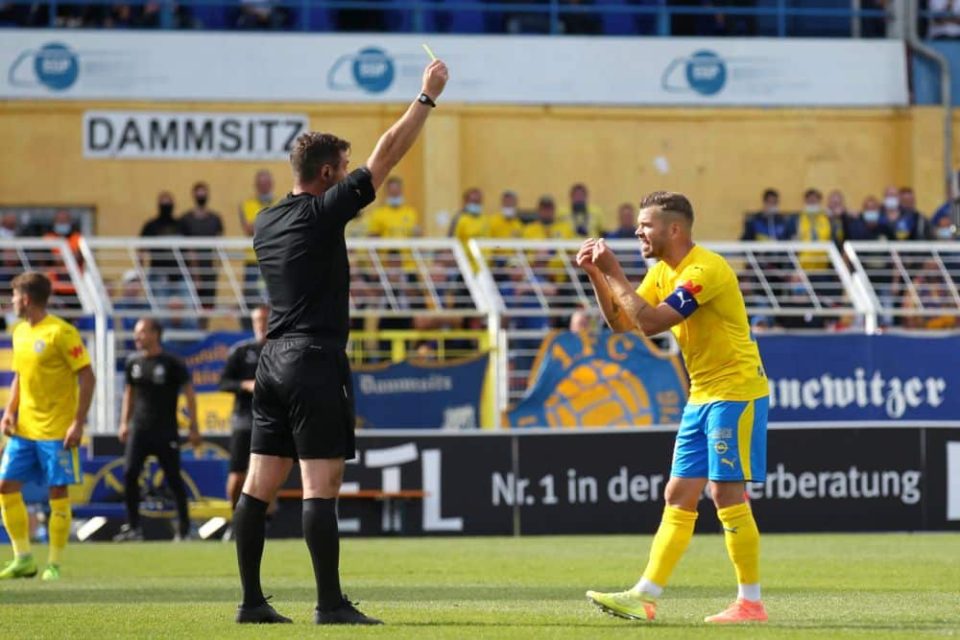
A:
[(303, 258), (241, 365), (156, 382)]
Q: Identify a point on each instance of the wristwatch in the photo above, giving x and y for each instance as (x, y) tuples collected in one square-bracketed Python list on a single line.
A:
[(427, 100)]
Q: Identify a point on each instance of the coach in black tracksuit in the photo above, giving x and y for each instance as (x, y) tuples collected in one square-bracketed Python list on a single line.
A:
[(238, 378), (303, 400), (148, 422)]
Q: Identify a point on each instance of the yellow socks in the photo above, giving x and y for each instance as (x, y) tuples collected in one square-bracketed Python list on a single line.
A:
[(673, 537), (743, 545), (16, 521), (59, 527)]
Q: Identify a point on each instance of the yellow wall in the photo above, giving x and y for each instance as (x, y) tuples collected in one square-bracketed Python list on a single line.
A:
[(722, 158)]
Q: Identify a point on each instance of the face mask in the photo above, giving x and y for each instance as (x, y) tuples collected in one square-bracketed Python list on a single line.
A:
[(166, 209), (201, 201), (509, 212), (774, 209), (395, 201), (266, 198), (812, 208), (579, 207), (473, 207), (944, 233), (62, 228), (871, 216), (891, 202)]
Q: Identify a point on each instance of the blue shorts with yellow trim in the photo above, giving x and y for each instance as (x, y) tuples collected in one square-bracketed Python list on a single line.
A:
[(725, 441), (44, 462)]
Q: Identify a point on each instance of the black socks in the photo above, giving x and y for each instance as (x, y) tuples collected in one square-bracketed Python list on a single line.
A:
[(322, 534), (249, 519)]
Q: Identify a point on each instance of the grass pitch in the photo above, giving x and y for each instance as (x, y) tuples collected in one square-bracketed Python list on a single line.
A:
[(815, 586)]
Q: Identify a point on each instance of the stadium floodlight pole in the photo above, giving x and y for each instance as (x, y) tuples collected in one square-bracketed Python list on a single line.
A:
[(908, 9)]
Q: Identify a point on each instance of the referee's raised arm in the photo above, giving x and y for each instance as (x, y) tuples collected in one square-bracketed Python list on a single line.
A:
[(398, 139)]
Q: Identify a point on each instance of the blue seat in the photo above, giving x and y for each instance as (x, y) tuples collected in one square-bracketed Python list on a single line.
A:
[(470, 21), (210, 16), (404, 20)]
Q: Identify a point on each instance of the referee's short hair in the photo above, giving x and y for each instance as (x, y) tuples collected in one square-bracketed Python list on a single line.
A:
[(312, 150), (669, 202), (34, 284)]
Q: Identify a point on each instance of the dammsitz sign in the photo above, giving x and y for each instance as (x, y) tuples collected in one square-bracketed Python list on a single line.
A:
[(191, 135)]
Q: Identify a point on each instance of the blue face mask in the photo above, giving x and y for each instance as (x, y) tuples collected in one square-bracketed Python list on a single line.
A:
[(944, 233), (395, 201), (871, 216), (473, 207), (62, 228)]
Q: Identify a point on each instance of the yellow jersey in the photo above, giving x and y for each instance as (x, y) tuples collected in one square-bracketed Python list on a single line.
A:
[(46, 357), (595, 222), (393, 222), (469, 225), (720, 354), (815, 227), (505, 228), (559, 230)]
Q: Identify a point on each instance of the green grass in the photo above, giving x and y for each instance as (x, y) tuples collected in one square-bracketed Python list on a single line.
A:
[(815, 586)]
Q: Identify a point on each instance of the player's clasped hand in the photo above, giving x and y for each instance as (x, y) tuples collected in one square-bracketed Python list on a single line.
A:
[(595, 256), (9, 424), (585, 255), (435, 78)]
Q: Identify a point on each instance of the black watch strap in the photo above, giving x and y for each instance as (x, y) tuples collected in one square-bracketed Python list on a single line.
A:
[(427, 100)]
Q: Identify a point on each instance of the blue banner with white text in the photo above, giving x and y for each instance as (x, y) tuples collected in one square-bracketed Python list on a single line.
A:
[(830, 378), (410, 395)]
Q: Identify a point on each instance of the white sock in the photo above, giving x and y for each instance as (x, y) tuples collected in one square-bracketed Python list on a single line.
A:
[(645, 586), (749, 592)]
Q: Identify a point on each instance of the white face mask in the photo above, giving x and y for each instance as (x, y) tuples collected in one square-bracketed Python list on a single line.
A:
[(395, 201), (871, 215), (812, 208), (891, 202), (944, 233), (509, 212), (473, 207)]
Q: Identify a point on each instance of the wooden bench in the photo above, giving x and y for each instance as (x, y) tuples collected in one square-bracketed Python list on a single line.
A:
[(393, 501)]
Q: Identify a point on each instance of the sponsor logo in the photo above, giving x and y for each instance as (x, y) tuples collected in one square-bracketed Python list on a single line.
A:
[(703, 72), (55, 66), (691, 288), (730, 463), (370, 385), (720, 447), (372, 70), (76, 352), (39, 346)]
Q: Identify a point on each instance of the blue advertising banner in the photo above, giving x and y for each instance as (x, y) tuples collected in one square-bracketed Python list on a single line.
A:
[(410, 395), (842, 377), (605, 379)]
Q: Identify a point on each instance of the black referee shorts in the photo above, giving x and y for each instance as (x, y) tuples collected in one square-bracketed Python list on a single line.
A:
[(303, 400)]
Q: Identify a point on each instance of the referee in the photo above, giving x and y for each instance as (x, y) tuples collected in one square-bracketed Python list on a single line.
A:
[(303, 401), (148, 423), (238, 379)]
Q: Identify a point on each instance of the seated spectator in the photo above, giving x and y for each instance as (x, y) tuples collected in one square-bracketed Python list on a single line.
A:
[(814, 225), (8, 226), (945, 23), (63, 228), (769, 224), (905, 224), (506, 224), (261, 15), (470, 222), (836, 211), (585, 219), (547, 226), (944, 229), (627, 223), (929, 291), (866, 224), (394, 218), (949, 208)]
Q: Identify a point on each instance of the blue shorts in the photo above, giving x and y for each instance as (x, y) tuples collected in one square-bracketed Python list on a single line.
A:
[(725, 441), (44, 462)]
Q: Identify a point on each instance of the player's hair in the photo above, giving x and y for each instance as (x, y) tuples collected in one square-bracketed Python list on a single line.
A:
[(669, 202), (312, 150), (36, 285), (154, 325)]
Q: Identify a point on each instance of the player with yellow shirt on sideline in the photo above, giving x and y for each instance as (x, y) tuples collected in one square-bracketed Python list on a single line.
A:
[(723, 431), (44, 420)]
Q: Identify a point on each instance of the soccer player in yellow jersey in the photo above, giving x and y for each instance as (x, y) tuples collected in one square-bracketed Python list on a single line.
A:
[(44, 420), (722, 437)]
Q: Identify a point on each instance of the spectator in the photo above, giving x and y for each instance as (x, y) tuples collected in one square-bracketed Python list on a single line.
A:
[(163, 273), (867, 224), (580, 322), (814, 225), (945, 23), (261, 15), (202, 222), (585, 218), (546, 226), (627, 223), (506, 224), (63, 228), (944, 229), (180, 319), (470, 222), (262, 198), (769, 224), (949, 208), (836, 212), (904, 224), (8, 226), (395, 218)]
